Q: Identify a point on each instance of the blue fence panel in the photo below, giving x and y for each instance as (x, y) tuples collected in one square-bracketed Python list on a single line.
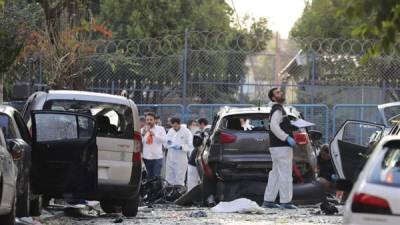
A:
[(363, 112), (165, 111), (318, 114), (196, 111)]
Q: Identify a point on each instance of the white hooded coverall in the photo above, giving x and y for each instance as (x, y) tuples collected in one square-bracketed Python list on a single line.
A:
[(280, 177), (177, 160)]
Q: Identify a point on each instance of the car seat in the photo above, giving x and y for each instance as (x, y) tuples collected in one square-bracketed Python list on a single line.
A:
[(103, 124)]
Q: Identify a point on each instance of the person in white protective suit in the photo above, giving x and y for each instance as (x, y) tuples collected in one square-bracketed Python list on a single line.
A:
[(193, 178), (179, 144), (281, 148)]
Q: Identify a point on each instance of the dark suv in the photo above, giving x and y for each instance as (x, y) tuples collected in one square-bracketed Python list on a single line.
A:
[(236, 157)]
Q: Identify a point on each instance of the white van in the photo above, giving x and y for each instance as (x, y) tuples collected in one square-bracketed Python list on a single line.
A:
[(118, 148)]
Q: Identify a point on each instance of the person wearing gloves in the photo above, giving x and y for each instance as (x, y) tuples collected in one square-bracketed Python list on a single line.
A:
[(153, 138), (281, 149), (179, 144)]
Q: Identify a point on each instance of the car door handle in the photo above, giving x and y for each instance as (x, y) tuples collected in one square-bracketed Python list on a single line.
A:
[(260, 139)]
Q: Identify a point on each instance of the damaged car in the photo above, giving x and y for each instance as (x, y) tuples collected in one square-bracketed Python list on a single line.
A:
[(8, 184), (356, 140), (235, 161), (86, 146), (19, 144)]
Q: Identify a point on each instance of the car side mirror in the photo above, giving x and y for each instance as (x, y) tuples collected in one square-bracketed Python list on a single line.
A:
[(16, 149), (315, 135), (344, 185), (197, 141)]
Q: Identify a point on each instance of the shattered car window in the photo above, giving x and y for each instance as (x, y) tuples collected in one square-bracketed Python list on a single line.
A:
[(113, 120), (53, 127), (360, 134), (246, 122)]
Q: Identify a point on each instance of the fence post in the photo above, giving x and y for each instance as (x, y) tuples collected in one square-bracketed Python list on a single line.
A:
[(112, 87), (313, 70), (383, 93), (185, 61)]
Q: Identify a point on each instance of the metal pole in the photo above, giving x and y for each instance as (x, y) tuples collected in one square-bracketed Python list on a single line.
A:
[(313, 77), (185, 56), (40, 73)]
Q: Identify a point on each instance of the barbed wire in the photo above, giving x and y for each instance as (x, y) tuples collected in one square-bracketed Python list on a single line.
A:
[(174, 44)]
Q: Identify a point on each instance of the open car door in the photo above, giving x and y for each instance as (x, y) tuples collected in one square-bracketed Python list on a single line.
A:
[(64, 153), (351, 145)]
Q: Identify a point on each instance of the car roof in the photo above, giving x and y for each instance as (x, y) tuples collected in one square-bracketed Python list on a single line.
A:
[(86, 96), (6, 109), (226, 111)]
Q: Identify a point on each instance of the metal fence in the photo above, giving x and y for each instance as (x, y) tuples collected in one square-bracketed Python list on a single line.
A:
[(362, 112), (325, 119), (215, 67)]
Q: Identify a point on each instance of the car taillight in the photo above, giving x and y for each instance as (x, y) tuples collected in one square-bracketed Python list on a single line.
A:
[(227, 138), (137, 157), (301, 138), (137, 139), (137, 152), (365, 203), (206, 168)]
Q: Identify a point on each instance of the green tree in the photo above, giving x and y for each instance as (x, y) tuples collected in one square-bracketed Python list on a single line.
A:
[(153, 18), (380, 19), (320, 19), (138, 19), (16, 21)]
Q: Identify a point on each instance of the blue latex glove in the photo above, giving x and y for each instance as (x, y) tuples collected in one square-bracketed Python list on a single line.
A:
[(334, 177), (176, 147), (291, 141)]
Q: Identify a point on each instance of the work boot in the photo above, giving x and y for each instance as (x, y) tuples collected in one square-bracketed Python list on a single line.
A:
[(270, 205), (288, 205)]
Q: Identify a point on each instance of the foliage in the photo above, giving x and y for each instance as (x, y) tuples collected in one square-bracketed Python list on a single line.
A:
[(15, 24), (154, 18), (320, 20), (380, 20), (137, 19)]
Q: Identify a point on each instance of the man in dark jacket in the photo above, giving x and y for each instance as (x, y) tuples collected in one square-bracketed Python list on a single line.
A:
[(281, 149)]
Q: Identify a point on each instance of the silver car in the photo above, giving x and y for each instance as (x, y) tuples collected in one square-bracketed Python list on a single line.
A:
[(8, 186)]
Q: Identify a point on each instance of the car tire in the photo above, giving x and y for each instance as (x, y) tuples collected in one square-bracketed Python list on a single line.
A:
[(9, 219), (23, 202), (130, 207), (108, 206), (35, 209)]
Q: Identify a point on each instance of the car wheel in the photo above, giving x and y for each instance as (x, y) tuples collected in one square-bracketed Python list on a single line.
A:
[(23, 202), (9, 219), (130, 207), (108, 206), (35, 206)]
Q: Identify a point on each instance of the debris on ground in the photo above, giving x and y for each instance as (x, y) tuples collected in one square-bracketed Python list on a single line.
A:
[(27, 221), (158, 191), (118, 220), (328, 208), (241, 205), (197, 214)]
